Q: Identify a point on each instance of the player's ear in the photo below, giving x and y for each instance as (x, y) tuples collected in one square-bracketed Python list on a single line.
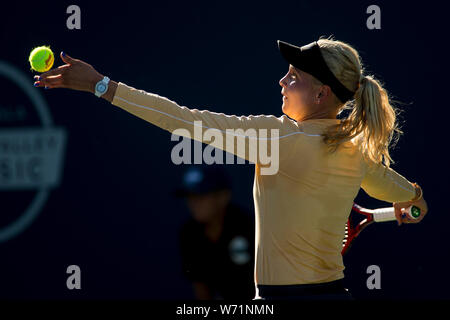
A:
[(325, 91), (320, 93)]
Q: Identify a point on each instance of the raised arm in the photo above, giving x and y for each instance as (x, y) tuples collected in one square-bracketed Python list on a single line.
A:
[(180, 120)]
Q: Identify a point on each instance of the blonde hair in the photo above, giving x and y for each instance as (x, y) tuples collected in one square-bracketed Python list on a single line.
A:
[(372, 122)]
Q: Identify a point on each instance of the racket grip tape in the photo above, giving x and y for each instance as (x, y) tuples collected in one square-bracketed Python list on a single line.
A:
[(388, 214)]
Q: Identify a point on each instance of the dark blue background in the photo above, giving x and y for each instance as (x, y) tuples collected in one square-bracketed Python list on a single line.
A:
[(113, 214)]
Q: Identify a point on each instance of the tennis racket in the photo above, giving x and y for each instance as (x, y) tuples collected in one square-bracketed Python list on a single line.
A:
[(355, 225)]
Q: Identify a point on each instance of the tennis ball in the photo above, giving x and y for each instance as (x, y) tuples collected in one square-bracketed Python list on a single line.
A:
[(41, 59)]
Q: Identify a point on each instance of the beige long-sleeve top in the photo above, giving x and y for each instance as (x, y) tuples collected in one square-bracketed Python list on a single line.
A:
[(301, 210)]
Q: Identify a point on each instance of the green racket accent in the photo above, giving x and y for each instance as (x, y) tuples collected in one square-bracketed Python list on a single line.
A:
[(415, 212)]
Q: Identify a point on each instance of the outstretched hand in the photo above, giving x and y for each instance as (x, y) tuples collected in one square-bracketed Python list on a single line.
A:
[(75, 74)]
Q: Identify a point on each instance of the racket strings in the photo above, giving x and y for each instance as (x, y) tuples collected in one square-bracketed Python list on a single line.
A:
[(346, 235)]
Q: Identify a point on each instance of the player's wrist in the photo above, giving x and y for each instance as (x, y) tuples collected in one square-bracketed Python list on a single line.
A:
[(112, 88), (419, 192)]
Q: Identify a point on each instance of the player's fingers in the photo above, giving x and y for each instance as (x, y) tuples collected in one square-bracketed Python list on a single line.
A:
[(66, 58), (50, 82), (42, 79), (398, 215), (52, 72), (407, 219)]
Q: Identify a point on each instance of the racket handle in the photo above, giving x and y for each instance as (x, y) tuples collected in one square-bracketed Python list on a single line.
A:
[(388, 214)]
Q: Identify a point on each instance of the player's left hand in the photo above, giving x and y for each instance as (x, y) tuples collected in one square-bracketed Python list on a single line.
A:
[(75, 74)]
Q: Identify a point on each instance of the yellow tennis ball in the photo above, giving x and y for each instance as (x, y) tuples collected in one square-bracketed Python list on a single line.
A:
[(41, 59)]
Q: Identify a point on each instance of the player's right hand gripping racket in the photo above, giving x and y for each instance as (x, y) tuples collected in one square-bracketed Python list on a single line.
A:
[(353, 228)]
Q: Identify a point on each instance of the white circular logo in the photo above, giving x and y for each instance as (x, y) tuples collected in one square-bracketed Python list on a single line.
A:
[(31, 157)]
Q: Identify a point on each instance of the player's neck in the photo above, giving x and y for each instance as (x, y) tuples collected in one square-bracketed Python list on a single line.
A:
[(322, 113)]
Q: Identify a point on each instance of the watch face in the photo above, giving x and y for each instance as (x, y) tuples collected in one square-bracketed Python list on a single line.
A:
[(101, 87)]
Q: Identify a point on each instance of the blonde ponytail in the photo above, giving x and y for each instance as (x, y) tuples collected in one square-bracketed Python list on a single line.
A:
[(372, 122)]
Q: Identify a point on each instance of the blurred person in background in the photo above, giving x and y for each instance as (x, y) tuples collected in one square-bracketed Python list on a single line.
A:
[(217, 241)]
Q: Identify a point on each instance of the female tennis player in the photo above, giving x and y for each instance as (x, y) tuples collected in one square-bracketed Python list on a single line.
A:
[(324, 160)]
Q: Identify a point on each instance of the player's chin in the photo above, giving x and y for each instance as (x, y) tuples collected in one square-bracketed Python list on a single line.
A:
[(287, 111)]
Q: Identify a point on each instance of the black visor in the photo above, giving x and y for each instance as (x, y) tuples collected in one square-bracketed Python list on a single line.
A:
[(310, 60)]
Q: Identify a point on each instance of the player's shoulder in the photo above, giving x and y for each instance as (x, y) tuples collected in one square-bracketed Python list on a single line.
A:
[(283, 122)]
